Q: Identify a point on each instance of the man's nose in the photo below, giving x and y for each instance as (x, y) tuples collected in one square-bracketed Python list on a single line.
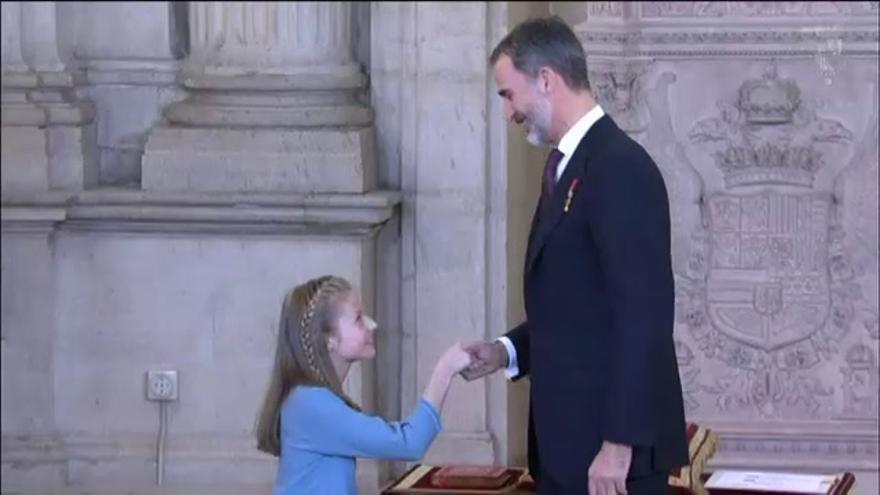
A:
[(371, 324), (509, 112)]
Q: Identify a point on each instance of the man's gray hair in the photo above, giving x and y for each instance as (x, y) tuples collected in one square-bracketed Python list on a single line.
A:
[(545, 42)]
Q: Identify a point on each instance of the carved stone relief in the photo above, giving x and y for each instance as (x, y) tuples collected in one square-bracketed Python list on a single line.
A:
[(857, 189), (605, 9), (754, 9), (871, 324), (860, 382), (769, 294), (826, 30), (618, 86), (643, 40), (690, 375), (769, 291)]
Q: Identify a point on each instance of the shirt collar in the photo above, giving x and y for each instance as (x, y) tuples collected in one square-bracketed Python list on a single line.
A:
[(573, 137)]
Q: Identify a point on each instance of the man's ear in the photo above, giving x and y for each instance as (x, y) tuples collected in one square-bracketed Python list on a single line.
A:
[(546, 79)]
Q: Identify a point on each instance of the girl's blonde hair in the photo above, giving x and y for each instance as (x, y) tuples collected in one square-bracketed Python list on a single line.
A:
[(308, 317)]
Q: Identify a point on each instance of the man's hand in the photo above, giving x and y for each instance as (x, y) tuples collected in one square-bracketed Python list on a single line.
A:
[(608, 472), (455, 360), (486, 358)]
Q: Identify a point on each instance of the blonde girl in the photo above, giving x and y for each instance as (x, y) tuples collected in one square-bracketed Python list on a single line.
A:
[(307, 420)]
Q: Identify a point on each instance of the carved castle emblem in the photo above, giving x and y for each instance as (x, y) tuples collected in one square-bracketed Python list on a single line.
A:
[(762, 297), (618, 88)]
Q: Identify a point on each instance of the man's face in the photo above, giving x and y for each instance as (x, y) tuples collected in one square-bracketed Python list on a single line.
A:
[(525, 101)]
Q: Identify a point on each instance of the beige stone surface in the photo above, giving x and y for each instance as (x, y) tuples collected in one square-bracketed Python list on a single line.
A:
[(25, 164), (319, 161)]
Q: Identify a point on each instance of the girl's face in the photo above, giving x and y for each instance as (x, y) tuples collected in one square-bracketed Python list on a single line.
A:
[(353, 339)]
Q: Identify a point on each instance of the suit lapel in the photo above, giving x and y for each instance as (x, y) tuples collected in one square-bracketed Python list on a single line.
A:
[(547, 217)]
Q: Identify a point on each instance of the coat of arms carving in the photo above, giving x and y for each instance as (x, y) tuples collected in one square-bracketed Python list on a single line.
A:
[(762, 291)]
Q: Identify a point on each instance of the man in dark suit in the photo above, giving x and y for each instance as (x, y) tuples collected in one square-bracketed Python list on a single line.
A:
[(606, 412)]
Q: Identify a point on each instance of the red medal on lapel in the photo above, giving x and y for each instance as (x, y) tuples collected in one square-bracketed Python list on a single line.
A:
[(571, 188)]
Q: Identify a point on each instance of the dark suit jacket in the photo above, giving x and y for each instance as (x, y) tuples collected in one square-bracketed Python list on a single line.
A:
[(599, 297)]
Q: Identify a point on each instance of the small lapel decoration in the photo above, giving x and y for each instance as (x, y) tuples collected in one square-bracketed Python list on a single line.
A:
[(571, 188)]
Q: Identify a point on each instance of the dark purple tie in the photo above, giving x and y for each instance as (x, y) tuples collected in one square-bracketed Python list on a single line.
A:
[(553, 160)]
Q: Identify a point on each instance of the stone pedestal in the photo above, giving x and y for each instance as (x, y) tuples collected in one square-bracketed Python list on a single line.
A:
[(128, 53), (47, 130), (272, 104)]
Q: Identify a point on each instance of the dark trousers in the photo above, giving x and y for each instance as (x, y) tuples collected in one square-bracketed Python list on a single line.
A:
[(655, 484)]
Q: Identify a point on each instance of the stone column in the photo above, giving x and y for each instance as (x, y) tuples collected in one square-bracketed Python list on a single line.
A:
[(284, 69), (45, 145), (128, 53), (436, 126), (11, 41), (47, 131)]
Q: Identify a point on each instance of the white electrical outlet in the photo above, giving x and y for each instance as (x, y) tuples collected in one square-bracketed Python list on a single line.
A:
[(162, 385)]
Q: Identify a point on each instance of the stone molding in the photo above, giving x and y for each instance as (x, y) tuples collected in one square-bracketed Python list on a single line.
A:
[(804, 445), (694, 36), (118, 210), (63, 447), (129, 72), (752, 9)]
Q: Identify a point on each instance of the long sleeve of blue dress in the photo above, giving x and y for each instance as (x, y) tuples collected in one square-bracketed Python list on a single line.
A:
[(321, 437), (329, 426)]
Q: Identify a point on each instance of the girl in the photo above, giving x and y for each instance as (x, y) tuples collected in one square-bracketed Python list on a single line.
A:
[(309, 422)]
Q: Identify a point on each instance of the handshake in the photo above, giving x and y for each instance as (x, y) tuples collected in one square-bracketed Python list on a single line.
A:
[(474, 360)]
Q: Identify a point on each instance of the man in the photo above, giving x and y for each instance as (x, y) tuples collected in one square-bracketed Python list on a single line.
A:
[(606, 413)]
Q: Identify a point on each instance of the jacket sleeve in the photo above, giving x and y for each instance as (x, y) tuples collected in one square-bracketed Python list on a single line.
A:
[(519, 337)]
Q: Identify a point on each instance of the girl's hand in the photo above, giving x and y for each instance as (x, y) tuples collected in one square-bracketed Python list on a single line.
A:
[(455, 359)]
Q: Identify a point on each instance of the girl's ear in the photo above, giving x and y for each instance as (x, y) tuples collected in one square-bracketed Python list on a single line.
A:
[(332, 343)]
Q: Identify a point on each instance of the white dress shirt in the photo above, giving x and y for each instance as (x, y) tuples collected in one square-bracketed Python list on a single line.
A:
[(567, 145)]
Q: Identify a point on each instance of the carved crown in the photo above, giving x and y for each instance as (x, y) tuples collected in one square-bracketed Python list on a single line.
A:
[(769, 100), (774, 163), (766, 137), (860, 356)]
